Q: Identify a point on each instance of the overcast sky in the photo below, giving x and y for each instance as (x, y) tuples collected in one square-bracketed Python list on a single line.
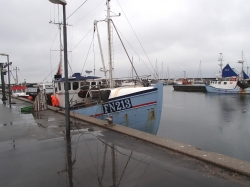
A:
[(176, 36)]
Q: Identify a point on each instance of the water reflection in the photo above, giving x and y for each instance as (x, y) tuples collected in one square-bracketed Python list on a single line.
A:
[(212, 122), (6, 124), (69, 162), (93, 162)]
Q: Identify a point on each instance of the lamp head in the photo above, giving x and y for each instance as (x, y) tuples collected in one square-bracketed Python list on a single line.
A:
[(62, 2), (3, 54)]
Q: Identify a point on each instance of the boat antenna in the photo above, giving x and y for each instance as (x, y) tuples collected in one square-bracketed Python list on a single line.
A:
[(220, 59), (241, 61), (16, 79)]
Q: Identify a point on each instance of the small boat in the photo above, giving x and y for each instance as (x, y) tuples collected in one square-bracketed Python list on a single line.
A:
[(33, 89), (230, 82), (19, 91), (182, 81)]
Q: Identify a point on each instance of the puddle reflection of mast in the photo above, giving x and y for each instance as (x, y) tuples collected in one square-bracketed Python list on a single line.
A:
[(69, 162), (114, 166)]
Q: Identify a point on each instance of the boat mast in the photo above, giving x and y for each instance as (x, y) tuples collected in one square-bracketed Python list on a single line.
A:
[(59, 70), (100, 47), (58, 74), (16, 79), (199, 72), (109, 47), (132, 69), (241, 61), (220, 59)]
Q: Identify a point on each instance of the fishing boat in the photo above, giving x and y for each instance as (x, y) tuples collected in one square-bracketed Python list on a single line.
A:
[(19, 91), (230, 81), (136, 106)]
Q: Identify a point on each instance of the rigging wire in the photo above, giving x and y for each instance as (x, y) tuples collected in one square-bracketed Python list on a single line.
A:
[(94, 54), (88, 53), (53, 40), (89, 12), (49, 74), (125, 49), (50, 64), (77, 9), (82, 39), (131, 47), (76, 22), (137, 38)]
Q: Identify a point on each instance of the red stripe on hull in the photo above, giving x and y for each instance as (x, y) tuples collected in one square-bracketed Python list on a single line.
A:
[(145, 104), (96, 115)]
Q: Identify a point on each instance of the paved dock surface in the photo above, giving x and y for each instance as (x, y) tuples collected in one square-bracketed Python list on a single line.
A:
[(34, 152)]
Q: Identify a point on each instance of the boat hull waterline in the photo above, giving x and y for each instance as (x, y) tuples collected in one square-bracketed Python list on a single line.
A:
[(140, 110), (236, 90)]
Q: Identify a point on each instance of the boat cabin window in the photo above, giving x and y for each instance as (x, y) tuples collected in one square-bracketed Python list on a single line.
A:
[(69, 85), (75, 85), (59, 86), (93, 83), (225, 83), (219, 82), (84, 84)]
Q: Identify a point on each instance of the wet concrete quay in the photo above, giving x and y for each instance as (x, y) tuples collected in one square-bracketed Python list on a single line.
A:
[(34, 152)]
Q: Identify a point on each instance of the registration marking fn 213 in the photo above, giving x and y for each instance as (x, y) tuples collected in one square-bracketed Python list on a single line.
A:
[(117, 105)]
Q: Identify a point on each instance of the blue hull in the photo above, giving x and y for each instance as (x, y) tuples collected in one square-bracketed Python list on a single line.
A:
[(140, 110)]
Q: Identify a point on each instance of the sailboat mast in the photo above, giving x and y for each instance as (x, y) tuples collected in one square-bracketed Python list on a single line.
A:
[(109, 46)]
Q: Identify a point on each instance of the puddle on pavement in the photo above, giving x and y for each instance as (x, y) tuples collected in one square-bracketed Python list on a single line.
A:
[(51, 119), (6, 124), (104, 163), (52, 126)]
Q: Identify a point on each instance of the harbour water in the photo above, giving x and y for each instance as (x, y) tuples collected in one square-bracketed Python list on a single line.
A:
[(212, 122)]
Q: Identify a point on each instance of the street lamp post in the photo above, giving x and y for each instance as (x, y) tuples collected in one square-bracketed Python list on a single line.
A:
[(63, 3), (3, 54), (3, 83)]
